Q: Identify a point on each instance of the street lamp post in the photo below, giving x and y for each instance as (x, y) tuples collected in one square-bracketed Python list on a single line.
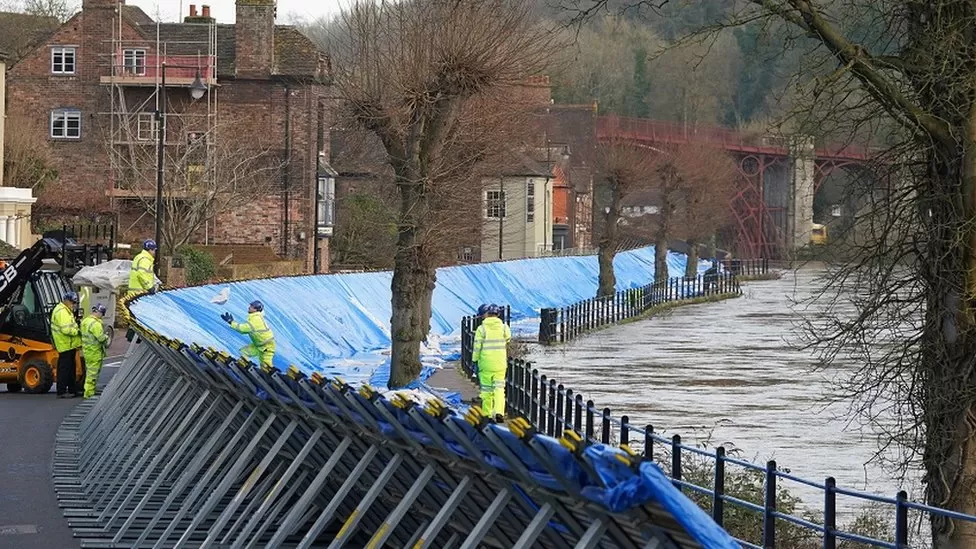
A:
[(197, 90)]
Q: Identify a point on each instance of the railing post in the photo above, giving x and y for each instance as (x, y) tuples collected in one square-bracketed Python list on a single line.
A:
[(830, 514), (676, 459), (718, 493), (568, 422), (605, 427), (560, 395), (901, 520), (648, 442), (589, 420), (551, 421), (534, 399), (543, 383), (624, 430), (769, 508), (578, 415)]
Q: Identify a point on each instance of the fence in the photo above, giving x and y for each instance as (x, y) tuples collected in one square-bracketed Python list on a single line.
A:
[(553, 409), (468, 326), (85, 245), (746, 267), (568, 323)]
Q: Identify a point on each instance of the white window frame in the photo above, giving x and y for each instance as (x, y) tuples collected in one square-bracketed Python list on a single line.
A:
[(146, 126), (530, 202), (63, 66), (495, 203), (326, 189), (135, 55), (64, 116)]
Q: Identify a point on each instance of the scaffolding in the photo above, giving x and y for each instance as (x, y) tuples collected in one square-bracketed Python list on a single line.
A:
[(134, 83)]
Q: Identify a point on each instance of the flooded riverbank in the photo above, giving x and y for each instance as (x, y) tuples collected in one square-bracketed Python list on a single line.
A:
[(730, 373)]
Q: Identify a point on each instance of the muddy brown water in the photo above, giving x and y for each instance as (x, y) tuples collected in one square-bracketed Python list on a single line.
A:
[(730, 373)]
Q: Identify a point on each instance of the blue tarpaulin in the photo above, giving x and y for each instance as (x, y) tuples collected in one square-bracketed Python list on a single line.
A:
[(338, 325)]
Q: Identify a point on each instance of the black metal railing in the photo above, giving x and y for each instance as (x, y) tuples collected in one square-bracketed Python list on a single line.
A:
[(84, 245), (562, 324), (553, 408), (468, 326), (746, 267)]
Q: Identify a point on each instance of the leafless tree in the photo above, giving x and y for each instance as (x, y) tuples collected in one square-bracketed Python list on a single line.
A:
[(61, 10), (411, 72), (28, 161), (899, 73), (208, 176), (626, 169), (707, 176)]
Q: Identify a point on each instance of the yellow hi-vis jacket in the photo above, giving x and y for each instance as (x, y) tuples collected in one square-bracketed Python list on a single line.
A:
[(491, 345), (64, 329), (257, 328), (141, 277), (93, 338)]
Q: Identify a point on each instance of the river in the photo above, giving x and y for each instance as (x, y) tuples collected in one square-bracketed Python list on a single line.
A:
[(730, 373)]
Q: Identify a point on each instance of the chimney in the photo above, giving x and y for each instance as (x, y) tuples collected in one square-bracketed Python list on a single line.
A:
[(195, 17), (254, 32)]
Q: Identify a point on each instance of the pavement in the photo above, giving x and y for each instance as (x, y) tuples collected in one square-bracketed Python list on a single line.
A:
[(29, 514)]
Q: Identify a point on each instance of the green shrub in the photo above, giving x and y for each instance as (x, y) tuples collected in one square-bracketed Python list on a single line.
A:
[(200, 265)]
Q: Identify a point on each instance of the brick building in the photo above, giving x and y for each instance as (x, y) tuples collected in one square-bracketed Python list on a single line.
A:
[(253, 89)]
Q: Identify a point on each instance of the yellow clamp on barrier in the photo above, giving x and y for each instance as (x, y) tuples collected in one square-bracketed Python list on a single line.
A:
[(571, 440), (317, 378), (295, 373), (474, 416), (338, 383), (175, 345), (367, 392), (623, 459), (401, 401), (266, 369), (521, 427), (435, 407)]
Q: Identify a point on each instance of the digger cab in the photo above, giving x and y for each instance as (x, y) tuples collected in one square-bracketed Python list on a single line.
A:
[(27, 356)]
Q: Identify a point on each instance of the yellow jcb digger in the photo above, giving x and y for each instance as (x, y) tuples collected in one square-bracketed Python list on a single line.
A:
[(28, 295)]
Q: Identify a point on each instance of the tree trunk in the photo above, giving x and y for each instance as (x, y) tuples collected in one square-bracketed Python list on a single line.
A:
[(691, 268), (414, 277), (608, 250), (661, 257), (949, 340)]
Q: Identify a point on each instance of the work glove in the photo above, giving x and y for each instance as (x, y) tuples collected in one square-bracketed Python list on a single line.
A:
[(227, 317)]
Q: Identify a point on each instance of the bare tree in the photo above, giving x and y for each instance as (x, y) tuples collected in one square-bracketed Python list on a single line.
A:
[(902, 72), (410, 72), (626, 169), (61, 10), (707, 176), (210, 175), (28, 161)]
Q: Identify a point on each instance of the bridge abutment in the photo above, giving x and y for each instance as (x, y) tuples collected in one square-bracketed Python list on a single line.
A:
[(802, 188)]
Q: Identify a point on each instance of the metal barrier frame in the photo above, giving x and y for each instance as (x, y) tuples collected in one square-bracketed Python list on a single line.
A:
[(188, 447)]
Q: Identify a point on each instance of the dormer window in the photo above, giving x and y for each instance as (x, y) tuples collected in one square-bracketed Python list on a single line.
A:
[(63, 60), (134, 62)]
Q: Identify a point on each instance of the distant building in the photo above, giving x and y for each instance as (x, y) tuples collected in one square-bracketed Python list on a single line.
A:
[(91, 87), (517, 209)]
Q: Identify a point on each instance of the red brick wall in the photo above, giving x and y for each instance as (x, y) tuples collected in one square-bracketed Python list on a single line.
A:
[(254, 109)]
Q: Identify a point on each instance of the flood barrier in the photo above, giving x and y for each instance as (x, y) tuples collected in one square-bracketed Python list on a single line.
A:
[(188, 447)]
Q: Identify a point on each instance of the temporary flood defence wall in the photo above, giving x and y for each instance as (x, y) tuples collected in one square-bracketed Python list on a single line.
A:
[(188, 447), (338, 325)]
